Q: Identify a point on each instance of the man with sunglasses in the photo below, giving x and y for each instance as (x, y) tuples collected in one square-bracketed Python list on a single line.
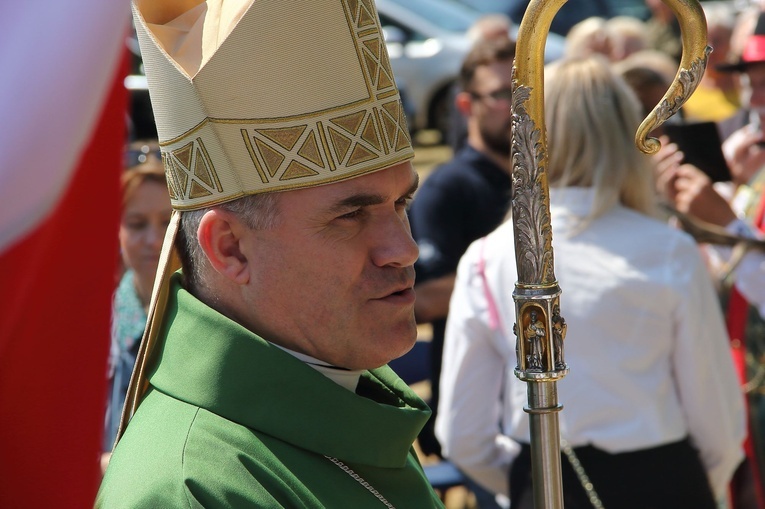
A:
[(465, 198)]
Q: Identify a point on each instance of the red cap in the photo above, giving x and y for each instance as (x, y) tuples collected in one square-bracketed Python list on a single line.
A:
[(754, 49)]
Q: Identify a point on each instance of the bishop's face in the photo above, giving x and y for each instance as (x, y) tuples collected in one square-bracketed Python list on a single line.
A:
[(337, 273)]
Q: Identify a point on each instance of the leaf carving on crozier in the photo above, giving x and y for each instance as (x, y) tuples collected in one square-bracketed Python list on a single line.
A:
[(689, 79), (531, 216)]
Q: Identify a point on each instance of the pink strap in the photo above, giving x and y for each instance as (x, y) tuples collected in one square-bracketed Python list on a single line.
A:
[(494, 323)]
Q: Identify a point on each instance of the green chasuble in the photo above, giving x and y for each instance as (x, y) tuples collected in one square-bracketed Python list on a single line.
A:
[(233, 421)]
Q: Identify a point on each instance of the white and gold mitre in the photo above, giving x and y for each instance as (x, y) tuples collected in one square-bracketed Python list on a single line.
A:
[(252, 96)]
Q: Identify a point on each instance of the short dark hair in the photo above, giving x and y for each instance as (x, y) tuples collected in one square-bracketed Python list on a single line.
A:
[(257, 211), (485, 52)]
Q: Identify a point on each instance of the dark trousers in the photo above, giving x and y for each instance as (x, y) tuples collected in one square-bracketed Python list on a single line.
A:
[(666, 477)]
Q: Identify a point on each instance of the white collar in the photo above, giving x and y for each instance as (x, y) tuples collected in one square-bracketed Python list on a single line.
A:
[(344, 377)]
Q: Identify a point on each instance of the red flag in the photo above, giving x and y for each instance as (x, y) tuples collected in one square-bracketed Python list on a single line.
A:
[(58, 254)]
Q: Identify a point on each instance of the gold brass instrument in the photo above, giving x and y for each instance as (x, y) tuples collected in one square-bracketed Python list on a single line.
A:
[(540, 329)]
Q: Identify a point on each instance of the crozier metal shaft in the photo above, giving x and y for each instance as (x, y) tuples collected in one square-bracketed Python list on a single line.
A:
[(540, 329)]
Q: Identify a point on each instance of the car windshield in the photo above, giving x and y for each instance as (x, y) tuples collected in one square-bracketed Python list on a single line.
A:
[(447, 14), (636, 8), (488, 5)]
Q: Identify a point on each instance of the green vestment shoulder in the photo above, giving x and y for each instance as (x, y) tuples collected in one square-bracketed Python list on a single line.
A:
[(233, 421)]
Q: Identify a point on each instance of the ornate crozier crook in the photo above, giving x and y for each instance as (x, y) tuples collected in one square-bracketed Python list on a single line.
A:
[(540, 328)]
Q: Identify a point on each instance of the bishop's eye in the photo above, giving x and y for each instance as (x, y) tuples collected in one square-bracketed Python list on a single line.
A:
[(405, 200), (353, 214)]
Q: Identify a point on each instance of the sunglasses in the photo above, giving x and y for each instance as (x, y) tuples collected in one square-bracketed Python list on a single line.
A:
[(136, 156), (503, 94)]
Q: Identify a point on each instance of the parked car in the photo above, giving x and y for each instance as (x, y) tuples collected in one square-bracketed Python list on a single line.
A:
[(427, 41), (572, 12)]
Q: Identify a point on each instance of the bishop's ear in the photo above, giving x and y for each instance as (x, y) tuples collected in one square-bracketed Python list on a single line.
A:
[(220, 234)]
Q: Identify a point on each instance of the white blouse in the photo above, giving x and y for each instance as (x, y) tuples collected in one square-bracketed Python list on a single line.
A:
[(646, 346)]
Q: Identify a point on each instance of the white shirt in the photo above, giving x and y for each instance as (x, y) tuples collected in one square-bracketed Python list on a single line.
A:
[(646, 346), (347, 378)]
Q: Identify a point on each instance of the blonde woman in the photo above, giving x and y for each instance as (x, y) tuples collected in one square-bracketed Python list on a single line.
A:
[(588, 37), (652, 407)]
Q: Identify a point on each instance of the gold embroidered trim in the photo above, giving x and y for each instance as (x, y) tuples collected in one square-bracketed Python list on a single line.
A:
[(302, 150), (190, 172)]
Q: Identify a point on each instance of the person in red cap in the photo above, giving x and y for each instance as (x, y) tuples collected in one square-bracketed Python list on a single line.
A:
[(751, 65)]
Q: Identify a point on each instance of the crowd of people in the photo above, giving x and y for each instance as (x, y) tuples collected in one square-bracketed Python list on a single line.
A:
[(604, 197), (287, 282)]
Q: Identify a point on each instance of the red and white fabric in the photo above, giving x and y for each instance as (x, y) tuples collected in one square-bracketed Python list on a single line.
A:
[(62, 108)]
